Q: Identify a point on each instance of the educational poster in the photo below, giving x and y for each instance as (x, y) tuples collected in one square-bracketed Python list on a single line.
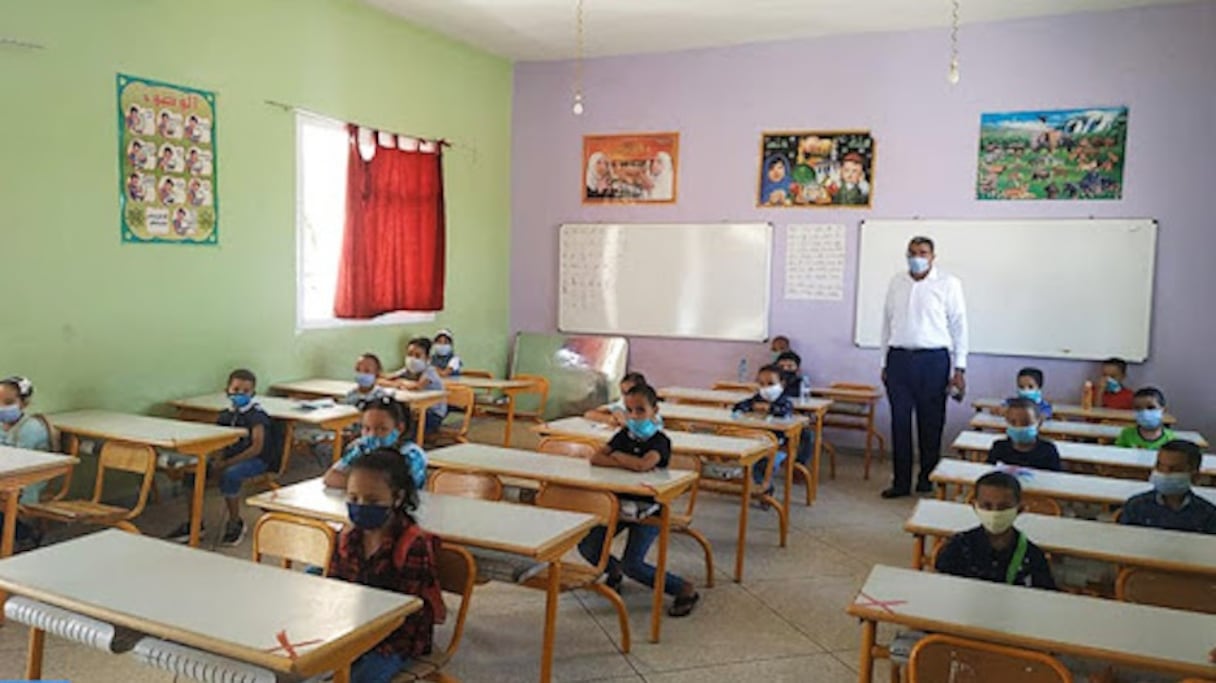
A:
[(1062, 154), (814, 262), (808, 169), (636, 168), (167, 164)]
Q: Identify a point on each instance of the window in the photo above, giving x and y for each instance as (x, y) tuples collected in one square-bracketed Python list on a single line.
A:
[(321, 155)]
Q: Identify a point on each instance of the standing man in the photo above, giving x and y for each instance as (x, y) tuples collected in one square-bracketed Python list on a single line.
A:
[(924, 319)]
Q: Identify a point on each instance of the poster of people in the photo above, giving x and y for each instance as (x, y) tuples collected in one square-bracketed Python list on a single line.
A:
[(805, 169), (166, 149), (628, 169), (1062, 154)]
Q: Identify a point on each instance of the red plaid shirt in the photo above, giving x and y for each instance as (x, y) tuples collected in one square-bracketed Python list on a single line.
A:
[(415, 574)]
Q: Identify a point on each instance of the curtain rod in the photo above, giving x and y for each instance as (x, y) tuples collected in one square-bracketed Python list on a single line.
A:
[(291, 107)]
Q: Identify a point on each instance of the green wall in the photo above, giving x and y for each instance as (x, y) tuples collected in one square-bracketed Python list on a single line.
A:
[(98, 324)]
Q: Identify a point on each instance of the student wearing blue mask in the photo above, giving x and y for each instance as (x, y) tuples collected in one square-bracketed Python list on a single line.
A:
[(255, 453), (640, 447), (368, 370), (19, 429), (383, 426), (1030, 386), (1171, 504), (443, 355), (771, 399), (419, 375), (1150, 431), (1024, 447)]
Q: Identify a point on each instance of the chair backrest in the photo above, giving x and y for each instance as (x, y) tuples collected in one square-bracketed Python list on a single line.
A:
[(947, 659), (736, 386), (691, 463), (462, 400), (126, 457), (52, 433), (1189, 592), (573, 448), (282, 433), (599, 503), (457, 575), (853, 385), (1042, 505), (481, 374), (294, 539), (756, 435), (540, 387), (465, 484)]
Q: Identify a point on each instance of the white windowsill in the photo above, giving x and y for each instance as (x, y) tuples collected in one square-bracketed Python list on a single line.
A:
[(395, 318)]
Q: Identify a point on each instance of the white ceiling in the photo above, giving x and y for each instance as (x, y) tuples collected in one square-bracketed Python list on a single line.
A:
[(544, 29)]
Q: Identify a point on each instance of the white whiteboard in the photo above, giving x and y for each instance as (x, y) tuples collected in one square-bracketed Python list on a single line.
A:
[(706, 281), (1078, 289)]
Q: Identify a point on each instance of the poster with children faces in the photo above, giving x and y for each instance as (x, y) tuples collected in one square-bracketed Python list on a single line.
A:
[(168, 164), (804, 169)]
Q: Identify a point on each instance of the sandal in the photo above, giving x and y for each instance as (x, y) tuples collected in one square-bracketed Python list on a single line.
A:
[(683, 605)]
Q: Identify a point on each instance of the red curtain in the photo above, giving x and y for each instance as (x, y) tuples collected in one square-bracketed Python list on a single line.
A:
[(393, 242)]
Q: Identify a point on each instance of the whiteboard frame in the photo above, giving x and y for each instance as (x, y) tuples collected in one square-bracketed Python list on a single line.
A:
[(1065, 354), (770, 241)]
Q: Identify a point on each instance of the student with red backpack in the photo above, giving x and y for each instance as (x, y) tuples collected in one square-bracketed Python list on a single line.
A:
[(384, 547)]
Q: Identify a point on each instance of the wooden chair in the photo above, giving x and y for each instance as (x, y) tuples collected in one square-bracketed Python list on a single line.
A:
[(854, 417), (758, 491), (1175, 590), (114, 456), (576, 576), (1042, 505), (573, 448), (681, 520), (465, 484), (271, 479), (736, 386), (539, 387), (457, 572), (480, 374), (461, 401), (939, 658), (294, 539)]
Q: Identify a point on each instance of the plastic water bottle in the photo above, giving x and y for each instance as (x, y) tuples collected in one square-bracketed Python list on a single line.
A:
[(742, 370), (804, 390)]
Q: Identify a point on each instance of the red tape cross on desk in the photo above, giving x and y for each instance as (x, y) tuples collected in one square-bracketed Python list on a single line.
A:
[(289, 647), (884, 605)]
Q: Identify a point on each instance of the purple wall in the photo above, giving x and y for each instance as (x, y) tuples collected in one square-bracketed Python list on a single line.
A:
[(1160, 62)]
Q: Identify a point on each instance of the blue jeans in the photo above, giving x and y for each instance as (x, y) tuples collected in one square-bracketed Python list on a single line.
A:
[(633, 564), (235, 476), (374, 667), (762, 464)]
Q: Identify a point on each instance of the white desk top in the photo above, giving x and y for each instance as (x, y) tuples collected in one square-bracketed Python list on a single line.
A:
[(275, 406), (723, 416), (205, 600), (1088, 453), (1061, 485), (1075, 430), (694, 443), (1077, 412), (1117, 543), (487, 383), (338, 389), (1153, 637), (141, 429), (18, 462), (560, 470), (725, 398), (845, 394), (520, 529)]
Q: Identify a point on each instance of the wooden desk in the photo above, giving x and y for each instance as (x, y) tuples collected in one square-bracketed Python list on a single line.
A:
[(1083, 488), (1065, 411), (20, 468), (739, 451), (979, 443), (661, 484), (510, 388), (541, 534), (1130, 635), (709, 397), (337, 389), (1077, 431), (1159, 549), (189, 438), (334, 419), (207, 601)]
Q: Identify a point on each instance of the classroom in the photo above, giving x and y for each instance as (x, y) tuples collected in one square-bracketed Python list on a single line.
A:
[(343, 331)]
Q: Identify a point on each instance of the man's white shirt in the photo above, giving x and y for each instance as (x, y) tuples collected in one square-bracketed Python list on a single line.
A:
[(926, 314)]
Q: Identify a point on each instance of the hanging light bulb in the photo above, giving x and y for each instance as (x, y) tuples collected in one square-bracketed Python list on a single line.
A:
[(577, 109), (953, 74)]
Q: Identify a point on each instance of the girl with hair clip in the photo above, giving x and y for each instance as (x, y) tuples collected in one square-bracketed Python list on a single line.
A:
[(384, 547), (383, 427)]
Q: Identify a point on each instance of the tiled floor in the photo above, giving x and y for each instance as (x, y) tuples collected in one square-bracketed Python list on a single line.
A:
[(785, 622)]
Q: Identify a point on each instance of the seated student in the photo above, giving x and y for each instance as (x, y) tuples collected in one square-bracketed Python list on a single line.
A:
[(368, 370), (1150, 431), (995, 550), (255, 453), (639, 447), (1171, 504), (1030, 386), (790, 365), (383, 426), (1024, 447), (614, 413), (384, 547), (417, 375), (1112, 390), (443, 357), (19, 430), (770, 400)]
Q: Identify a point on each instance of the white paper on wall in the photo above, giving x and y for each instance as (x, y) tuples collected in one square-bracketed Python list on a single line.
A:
[(814, 262)]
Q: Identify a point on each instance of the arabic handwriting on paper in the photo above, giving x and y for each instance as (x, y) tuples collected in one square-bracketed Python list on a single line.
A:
[(815, 262)]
